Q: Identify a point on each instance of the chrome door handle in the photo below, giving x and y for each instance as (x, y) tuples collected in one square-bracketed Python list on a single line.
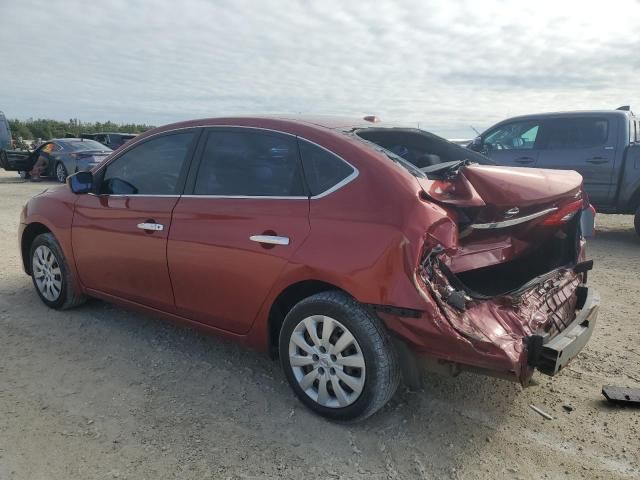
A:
[(270, 239), (152, 227)]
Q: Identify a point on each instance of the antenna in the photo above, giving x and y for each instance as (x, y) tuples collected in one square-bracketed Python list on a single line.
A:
[(474, 129)]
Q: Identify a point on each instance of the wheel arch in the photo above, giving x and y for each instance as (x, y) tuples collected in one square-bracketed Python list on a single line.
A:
[(29, 234), (286, 300)]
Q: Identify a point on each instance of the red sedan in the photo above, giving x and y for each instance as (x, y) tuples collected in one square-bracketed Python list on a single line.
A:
[(352, 250)]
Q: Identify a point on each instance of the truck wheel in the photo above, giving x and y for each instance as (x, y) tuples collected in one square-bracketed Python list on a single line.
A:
[(636, 221), (51, 275), (337, 357)]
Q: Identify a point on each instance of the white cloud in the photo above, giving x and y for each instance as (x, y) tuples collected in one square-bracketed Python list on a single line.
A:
[(444, 64)]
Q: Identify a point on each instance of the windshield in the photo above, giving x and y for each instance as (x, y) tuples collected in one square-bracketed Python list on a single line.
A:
[(86, 145)]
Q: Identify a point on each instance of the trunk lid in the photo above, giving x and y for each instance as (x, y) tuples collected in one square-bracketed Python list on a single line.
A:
[(506, 213), (500, 187)]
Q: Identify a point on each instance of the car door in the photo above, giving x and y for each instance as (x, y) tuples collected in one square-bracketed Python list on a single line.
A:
[(513, 143), (232, 236), (120, 233), (585, 144)]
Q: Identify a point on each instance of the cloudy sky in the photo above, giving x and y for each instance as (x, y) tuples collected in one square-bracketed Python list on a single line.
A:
[(444, 64)]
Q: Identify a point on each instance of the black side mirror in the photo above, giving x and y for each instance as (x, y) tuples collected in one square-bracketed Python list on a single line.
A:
[(477, 145), (81, 182)]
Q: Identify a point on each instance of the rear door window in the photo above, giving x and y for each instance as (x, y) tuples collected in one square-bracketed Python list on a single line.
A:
[(248, 163), (322, 169), (576, 133), (155, 167)]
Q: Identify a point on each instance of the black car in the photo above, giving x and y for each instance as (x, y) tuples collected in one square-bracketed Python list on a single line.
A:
[(111, 140)]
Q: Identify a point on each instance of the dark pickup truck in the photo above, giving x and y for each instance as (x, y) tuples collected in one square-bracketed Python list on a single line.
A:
[(603, 146)]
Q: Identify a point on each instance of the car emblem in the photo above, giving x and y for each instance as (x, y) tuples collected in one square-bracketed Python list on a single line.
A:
[(511, 212)]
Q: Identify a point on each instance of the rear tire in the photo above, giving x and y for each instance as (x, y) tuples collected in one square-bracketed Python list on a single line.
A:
[(338, 357), (636, 220), (51, 275), (61, 172)]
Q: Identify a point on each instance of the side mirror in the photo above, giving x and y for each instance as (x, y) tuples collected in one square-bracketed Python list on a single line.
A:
[(477, 145), (81, 182)]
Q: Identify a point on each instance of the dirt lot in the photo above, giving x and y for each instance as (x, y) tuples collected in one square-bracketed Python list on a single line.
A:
[(100, 392)]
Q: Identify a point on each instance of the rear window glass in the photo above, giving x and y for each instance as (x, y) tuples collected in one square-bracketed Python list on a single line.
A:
[(85, 145), (250, 164), (322, 169), (576, 133)]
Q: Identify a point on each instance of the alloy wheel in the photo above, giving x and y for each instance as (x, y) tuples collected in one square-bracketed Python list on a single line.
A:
[(327, 361), (47, 273), (61, 173)]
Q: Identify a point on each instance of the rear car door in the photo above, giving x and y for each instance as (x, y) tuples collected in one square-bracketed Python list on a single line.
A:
[(585, 144), (232, 236), (120, 234), (514, 143)]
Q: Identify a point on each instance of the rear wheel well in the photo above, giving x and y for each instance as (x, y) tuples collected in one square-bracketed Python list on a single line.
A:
[(29, 234), (285, 301)]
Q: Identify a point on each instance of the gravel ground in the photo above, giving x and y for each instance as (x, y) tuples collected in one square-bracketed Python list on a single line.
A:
[(101, 392)]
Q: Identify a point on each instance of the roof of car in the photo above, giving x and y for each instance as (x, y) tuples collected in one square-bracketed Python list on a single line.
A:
[(287, 121), (569, 114)]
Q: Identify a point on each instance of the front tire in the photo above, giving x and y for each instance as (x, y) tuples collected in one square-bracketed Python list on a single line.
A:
[(51, 275), (338, 357), (61, 172), (636, 220)]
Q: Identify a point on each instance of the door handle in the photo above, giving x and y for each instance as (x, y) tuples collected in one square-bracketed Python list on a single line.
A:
[(151, 226), (270, 239), (525, 160), (598, 160)]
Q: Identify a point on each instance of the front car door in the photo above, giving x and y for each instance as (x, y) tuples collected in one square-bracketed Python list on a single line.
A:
[(513, 143), (232, 236), (120, 233), (586, 144)]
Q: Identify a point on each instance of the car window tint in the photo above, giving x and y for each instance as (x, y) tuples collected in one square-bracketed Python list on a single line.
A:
[(513, 136), (250, 164), (576, 133), (151, 168), (322, 169)]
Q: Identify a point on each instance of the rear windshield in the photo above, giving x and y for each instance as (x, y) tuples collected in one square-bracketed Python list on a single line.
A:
[(416, 149), (86, 145)]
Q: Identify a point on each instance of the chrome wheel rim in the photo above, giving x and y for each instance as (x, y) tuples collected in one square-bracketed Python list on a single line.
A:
[(47, 273), (61, 173), (327, 361)]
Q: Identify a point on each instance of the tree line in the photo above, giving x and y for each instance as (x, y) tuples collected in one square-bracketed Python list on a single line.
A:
[(32, 129)]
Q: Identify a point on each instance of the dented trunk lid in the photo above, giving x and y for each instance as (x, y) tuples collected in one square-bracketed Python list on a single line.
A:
[(501, 189)]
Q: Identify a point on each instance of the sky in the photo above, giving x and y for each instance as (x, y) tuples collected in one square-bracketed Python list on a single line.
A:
[(443, 65)]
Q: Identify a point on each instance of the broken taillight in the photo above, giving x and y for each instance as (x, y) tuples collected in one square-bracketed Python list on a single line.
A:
[(563, 214)]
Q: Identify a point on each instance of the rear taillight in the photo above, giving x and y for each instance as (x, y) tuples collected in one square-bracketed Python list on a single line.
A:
[(564, 214)]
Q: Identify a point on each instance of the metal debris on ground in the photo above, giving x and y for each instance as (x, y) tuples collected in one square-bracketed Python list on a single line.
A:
[(540, 412), (621, 394)]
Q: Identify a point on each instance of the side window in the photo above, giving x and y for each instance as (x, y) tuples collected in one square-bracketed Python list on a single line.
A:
[(513, 136), (576, 133), (322, 169), (249, 163), (151, 168)]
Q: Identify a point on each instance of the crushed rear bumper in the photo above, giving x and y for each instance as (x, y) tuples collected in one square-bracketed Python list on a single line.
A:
[(550, 354)]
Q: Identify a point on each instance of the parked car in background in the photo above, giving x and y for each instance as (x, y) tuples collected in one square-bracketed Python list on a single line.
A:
[(66, 155), (603, 146), (5, 133), (312, 239), (111, 140)]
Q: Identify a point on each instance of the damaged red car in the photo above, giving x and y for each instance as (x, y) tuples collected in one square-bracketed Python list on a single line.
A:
[(351, 249)]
